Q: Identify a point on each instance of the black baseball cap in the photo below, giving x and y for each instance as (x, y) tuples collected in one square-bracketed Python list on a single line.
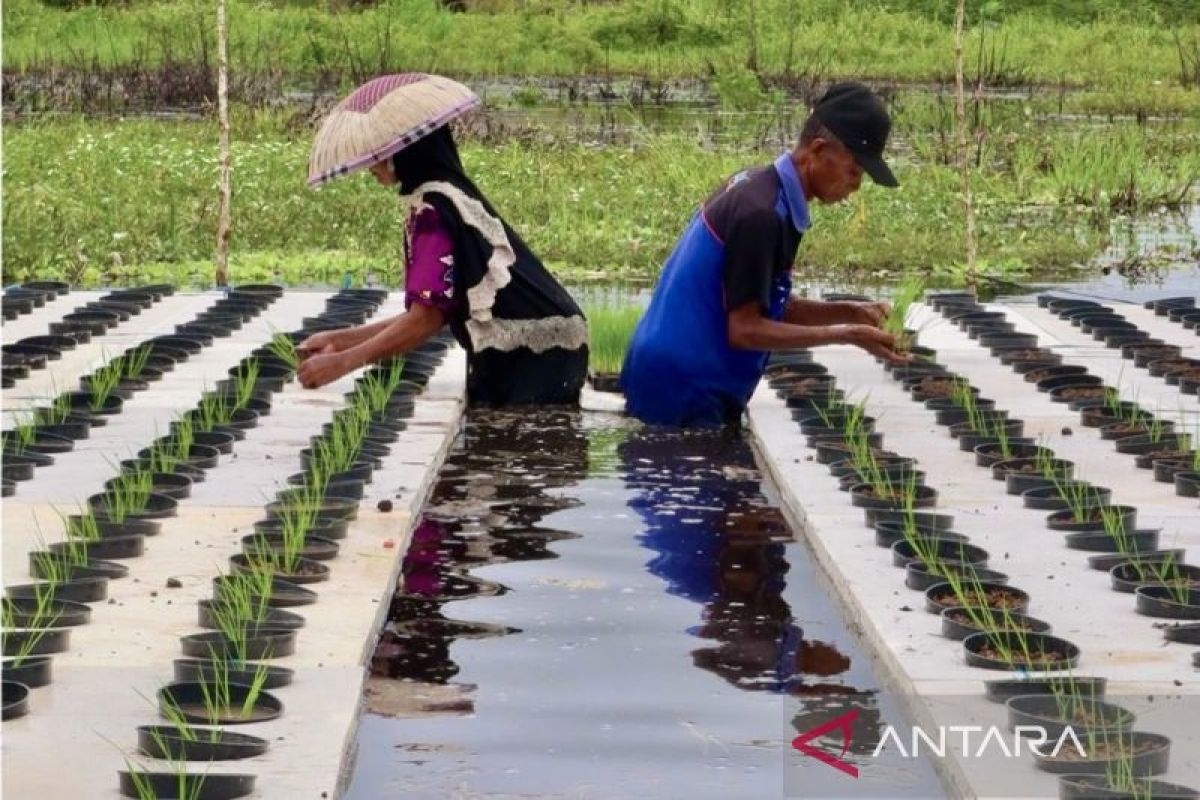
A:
[(856, 116)]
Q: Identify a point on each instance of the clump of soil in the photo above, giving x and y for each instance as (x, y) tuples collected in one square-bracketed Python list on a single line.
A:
[(935, 387), (1106, 751)]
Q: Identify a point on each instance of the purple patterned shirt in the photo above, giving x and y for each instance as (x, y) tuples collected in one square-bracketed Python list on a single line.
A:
[(429, 276)]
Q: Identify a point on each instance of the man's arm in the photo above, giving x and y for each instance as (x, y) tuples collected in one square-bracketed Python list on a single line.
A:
[(801, 311), (750, 330)]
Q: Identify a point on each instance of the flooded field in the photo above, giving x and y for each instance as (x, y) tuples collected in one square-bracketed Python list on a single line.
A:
[(590, 608)]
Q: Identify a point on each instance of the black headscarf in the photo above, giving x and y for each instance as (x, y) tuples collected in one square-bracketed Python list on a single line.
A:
[(532, 293)]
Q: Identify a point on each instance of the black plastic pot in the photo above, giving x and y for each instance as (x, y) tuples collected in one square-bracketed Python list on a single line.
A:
[(1016, 482), (941, 596), (1152, 760), (189, 698), (128, 527), (1106, 561), (1097, 787), (1186, 633), (165, 741), (158, 506), (44, 443), (261, 642), (1063, 520), (82, 401), (75, 429), (1141, 445), (918, 577), (190, 670), (1115, 431), (1127, 577), (214, 786), (904, 553), (1082, 391), (1004, 341), (1187, 484), (39, 641), (62, 613), (327, 509), (33, 672), (79, 590), (990, 450), (954, 627), (168, 484), (284, 594), (1143, 355), (199, 455), (1042, 711), (897, 473), (18, 468), (306, 570), (926, 520), (1161, 602), (276, 618), (94, 568), (109, 547), (348, 489), (323, 529), (861, 497), (315, 548), (15, 700), (1041, 643), (999, 691), (888, 533), (1138, 541), (190, 345), (205, 331), (1050, 498)]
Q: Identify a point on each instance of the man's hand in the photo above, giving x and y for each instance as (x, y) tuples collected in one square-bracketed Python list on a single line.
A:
[(872, 314), (318, 370), (875, 342), (322, 343)]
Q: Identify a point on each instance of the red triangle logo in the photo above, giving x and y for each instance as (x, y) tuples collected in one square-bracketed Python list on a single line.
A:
[(841, 723)]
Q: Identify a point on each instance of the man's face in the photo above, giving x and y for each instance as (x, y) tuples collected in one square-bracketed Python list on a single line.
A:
[(835, 175)]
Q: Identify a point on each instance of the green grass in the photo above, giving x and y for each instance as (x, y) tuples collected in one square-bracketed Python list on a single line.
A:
[(130, 201), (1078, 42), (610, 327)]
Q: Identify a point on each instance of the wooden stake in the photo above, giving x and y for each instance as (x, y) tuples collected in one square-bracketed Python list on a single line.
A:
[(964, 163), (224, 221)]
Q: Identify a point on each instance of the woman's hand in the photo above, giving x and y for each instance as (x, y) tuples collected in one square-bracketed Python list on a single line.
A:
[(321, 343), (875, 342), (322, 368)]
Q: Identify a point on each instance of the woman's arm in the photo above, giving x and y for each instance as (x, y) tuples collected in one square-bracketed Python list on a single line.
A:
[(398, 335), (342, 339), (801, 311)]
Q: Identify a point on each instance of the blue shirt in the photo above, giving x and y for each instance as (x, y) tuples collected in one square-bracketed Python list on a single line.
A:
[(738, 248)]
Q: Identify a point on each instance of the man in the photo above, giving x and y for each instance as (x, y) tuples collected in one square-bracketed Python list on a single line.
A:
[(724, 297)]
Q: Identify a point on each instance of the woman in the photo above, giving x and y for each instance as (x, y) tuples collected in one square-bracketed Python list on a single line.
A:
[(525, 337)]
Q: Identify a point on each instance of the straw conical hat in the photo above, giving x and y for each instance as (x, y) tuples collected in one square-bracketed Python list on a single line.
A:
[(381, 117)]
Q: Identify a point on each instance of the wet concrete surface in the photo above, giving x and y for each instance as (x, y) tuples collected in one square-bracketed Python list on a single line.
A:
[(591, 608)]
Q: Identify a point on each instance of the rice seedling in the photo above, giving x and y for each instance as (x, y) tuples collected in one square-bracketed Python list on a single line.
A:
[(214, 409), (1078, 495), (20, 439), (245, 381), (1156, 428), (34, 627), (217, 691), (997, 426), (103, 382), (895, 323), (188, 785), (82, 527), (284, 349), (57, 567), (1044, 458), (129, 494), (236, 613), (1113, 520), (56, 413), (610, 327), (134, 361)]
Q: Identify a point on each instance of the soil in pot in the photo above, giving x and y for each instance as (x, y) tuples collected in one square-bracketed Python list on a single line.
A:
[(301, 571), (269, 545), (959, 622), (938, 550), (919, 576), (1017, 650), (997, 596), (1150, 443), (1077, 393), (864, 495), (1055, 714)]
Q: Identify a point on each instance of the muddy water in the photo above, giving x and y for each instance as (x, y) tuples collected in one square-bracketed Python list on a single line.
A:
[(591, 609)]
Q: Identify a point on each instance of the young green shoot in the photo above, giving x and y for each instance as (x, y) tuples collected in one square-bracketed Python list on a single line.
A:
[(610, 328), (284, 349)]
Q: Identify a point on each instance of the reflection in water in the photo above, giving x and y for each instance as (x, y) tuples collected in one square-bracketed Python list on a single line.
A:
[(575, 652)]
